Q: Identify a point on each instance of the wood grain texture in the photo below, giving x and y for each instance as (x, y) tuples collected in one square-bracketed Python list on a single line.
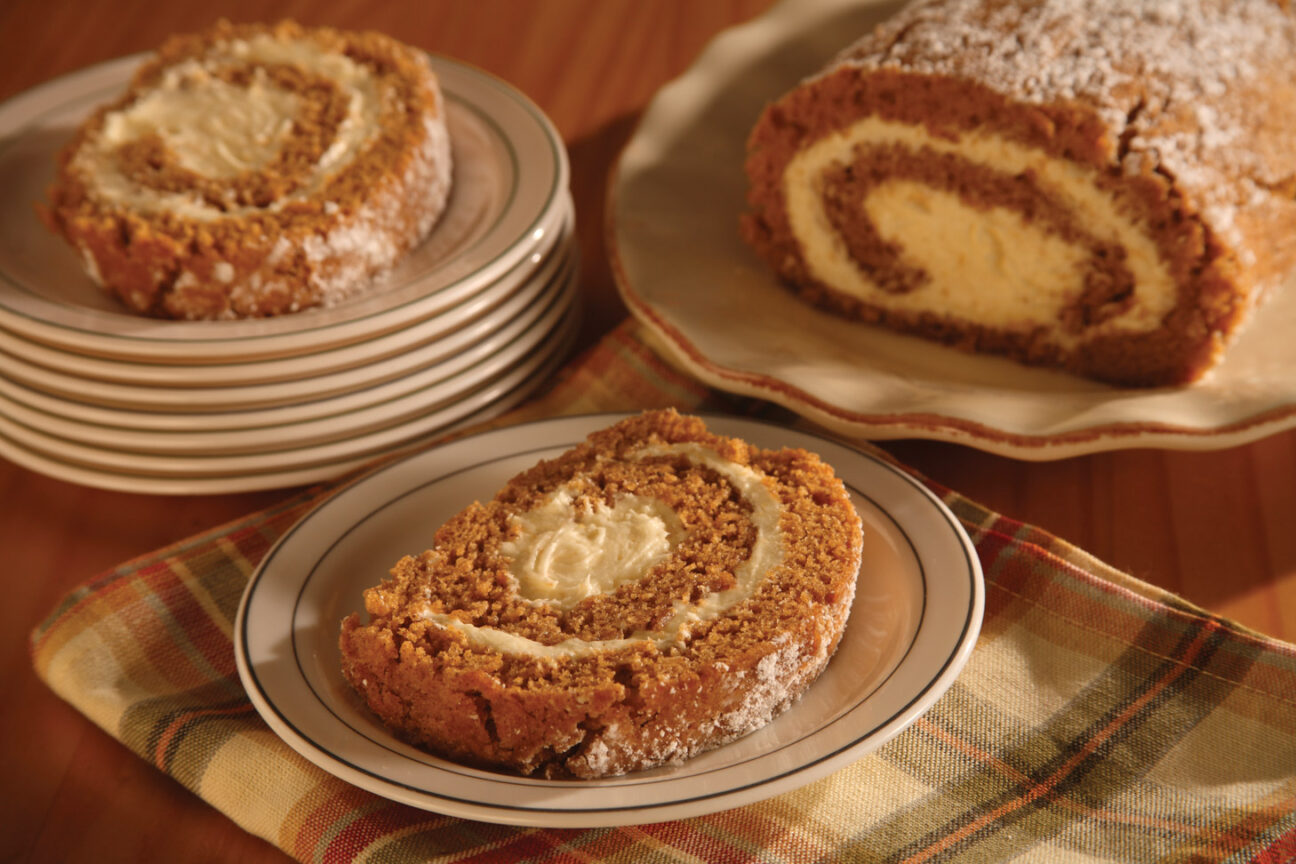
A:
[(1219, 528)]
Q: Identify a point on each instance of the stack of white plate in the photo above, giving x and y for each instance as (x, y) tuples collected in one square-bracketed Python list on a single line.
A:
[(473, 322)]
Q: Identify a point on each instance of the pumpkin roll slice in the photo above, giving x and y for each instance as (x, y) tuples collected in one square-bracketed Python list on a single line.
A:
[(652, 593), (1106, 187), (253, 170)]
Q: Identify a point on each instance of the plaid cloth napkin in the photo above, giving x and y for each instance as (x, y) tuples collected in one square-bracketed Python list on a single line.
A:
[(1099, 718)]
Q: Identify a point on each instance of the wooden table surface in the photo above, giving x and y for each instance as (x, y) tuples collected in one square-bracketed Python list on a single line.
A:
[(1218, 528)]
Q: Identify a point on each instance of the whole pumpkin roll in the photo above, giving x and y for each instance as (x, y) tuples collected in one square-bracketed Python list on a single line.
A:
[(654, 592), (1107, 187), (255, 170)]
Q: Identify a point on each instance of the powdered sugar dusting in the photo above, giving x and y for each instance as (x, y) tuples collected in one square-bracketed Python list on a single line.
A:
[(1183, 84), (597, 757), (774, 682), (363, 249)]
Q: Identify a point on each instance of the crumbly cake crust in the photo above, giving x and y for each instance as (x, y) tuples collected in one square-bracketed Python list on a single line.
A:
[(307, 226), (634, 692), (1191, 146)]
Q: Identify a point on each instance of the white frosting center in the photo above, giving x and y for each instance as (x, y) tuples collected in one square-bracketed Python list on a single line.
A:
[(217, 129), (647, 518), (963, 249), (1011, 274), (213, 128), (563, 553)]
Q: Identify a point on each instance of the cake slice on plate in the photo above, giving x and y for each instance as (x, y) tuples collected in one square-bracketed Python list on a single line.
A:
[(654, 592)]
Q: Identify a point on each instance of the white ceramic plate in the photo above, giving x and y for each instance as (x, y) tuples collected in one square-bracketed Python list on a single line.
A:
[(431, 409), (84, 421), (494, 401), (916, 616), (477, 311), (497, 397), (683, 270), (72, 387), (511, 174), (369, 409)]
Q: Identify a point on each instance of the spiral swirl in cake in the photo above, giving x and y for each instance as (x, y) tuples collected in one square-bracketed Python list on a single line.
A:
[(654, 592), (251, 171), (1098, 187)]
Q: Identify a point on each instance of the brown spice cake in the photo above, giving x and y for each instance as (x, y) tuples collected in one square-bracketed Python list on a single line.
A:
[(1106, 186), (654, 592), (255, 170)]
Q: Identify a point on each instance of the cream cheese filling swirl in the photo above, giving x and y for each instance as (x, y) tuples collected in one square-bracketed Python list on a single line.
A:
[(249, 127), (563, 555), (988, 264)]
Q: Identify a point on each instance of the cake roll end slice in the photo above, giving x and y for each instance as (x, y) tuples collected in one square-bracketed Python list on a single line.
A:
[(1069, 187)]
